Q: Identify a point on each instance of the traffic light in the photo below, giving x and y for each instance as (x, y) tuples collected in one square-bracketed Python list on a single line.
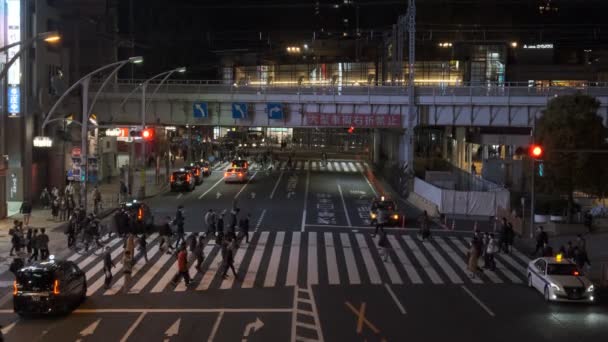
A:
[(147, 134), (351, 130), (536, 151)]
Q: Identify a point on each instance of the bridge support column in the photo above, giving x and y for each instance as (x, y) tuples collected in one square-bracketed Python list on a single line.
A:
[(376, 141), (406, 148)]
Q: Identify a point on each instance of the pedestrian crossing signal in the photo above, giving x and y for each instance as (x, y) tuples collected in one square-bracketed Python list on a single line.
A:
[(351, 130), (541, 170)]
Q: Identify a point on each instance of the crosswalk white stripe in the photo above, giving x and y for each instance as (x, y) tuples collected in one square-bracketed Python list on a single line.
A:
[(330, 167), (212, 270), (390, 267), (447, 269), (299, 165), (332, 262), (422, 260), (92, 256), (306, 165), (359, 167), (238, 259), (352, 167), (509, 260), (322, 165), (458, 261), (254, 264), (493, 277), (351, 265), (116, 287), (344, 167), (313, 266), (181, 287), (337, 167), (372, 271), (520, 256), (152, 271), (314, 165), (294, 256), (407, 264), (283, 165), (275, 258)]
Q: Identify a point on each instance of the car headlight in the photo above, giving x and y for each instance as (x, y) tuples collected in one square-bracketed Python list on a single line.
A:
[(373, 216), (396, 217), (555, 287), (591, 288)]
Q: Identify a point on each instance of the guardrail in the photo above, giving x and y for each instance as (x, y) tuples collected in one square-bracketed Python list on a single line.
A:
[(463, 89)]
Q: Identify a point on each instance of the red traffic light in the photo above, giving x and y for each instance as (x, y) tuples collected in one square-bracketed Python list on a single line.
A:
[(536, 151), (147, 134), (351, 129)]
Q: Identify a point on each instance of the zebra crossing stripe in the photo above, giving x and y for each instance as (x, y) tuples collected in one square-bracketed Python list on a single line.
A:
[(422, 260), (509, 260), (254, 265), (314, 165), (135, 270), (372, 271), (456, 258), (344, 167), (181, 287), (313, 266), (332, 262), (275, 258), (294, 256), (96, 269), (92, 256), (352, 167), (521, 257), (493, 277), (447, 269), (390, 268), (238, 260), (299, 165), (153, 270), (359, 167), (306, 165), (337, 167), (351, 265), (214, 267), (330, 167), (405, 262)]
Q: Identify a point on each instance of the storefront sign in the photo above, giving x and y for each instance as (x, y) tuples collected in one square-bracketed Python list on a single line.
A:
[(538, 46), (76, 152), (13, 29), (355, 120)]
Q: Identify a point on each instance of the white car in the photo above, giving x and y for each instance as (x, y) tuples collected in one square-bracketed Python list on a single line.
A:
[(559, 279), (236, 175)]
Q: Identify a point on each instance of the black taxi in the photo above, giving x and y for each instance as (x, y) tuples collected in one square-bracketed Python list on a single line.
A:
[(241, 164), (197, 172), (390, 209), (182, 180), (48, 287), (205, 166), (141, 214)]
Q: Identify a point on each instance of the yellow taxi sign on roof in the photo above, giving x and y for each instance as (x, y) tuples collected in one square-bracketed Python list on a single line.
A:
[(559, 257)]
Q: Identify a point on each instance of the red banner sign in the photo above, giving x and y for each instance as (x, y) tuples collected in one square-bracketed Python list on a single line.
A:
[(356, 120)]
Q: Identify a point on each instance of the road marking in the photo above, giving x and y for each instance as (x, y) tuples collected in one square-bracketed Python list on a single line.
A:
[(173, 310), (179, 195), (9, 327), (211, 188), (372, 271), (397, 302), (359, 167), (92, 256), (211, 272), (390, 267), (330, 167), (307, 165), (133, 326), (370, 184), (276, 185), (257, 225), (305, 201), (478, 301), (244, 186), (337, 167), (509, 260), (405, 261), (216, 325), (456, 258), (361, 318), (344, 167), (299, 165), (349, 257), (256, 259), (424, 262), (6, 298), (294, 256), (152, 271), (313, 267), (181, 287), (120, 282), (332, 262), (98, 267), (445, 266), (238, 259), (275, 258), (344, 205)]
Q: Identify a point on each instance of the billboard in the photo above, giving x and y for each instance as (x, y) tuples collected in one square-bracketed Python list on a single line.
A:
[(13, 31)]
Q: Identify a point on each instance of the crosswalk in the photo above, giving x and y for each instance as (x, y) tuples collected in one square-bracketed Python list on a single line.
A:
[(343, 166), (285, 258)]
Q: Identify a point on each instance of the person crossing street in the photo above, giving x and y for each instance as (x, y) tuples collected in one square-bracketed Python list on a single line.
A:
[(182, 266), (108, 264)]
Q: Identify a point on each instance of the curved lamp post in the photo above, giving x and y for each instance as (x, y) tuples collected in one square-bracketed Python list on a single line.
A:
[(84, 82), (50, 37)]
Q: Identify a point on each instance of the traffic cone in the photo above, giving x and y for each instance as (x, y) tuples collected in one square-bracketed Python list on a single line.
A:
[(453, 224)]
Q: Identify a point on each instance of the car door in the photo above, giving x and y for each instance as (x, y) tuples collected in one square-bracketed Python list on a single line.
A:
[(538, 277)]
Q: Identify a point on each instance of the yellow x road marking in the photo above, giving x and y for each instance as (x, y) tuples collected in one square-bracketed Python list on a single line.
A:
[(361, 318)]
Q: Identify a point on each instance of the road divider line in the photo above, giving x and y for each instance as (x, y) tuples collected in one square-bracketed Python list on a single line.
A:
[(244, 186), (133, 326), (483, 306), (394, 296), (276, 185), (344, 205), (9, 327), (211, 188), (370, 184), (257, 225), (216, 325), (305, 201), (179, 195)]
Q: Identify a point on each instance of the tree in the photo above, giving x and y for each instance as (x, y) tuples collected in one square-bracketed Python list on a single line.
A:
[(571, 122)]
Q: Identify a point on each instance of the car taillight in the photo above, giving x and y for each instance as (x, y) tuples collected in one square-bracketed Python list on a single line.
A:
[(187, 177), (56, 287), (140, 214), (576, 273), (15, 288), (226, 174), (396, 217), (172, 178), (240, 174)]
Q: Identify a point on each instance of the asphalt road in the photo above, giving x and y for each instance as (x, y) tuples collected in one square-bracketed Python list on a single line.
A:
[(311, 271)]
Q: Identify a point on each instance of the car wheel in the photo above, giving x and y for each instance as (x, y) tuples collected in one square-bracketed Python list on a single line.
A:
[(546, 293), (530, 280)]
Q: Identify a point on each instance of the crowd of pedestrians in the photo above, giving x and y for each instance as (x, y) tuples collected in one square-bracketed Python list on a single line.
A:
[(27, 245)]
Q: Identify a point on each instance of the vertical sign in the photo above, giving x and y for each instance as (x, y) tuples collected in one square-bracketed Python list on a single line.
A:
[(14, 73)]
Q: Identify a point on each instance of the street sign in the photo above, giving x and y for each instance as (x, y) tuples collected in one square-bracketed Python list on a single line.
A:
[(76, 152), (43, 141), (14, 100), (199, 110), (239, 110), (275, 111)]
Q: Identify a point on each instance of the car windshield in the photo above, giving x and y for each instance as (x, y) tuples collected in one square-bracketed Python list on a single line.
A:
[(562, 269), (388, 205), (35, 279), (180, 175)]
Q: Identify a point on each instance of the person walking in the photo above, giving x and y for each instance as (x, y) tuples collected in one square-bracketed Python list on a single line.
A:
[(165, 236), (129, 244), (209, 221), (244, 226), (191, 241), (233, 220), (28, 240), (182, 267), (71, 230), (55, 208), (35, 246), (541, 240), (26, 210), (503, 236), (108, 265), (474, 251), (179, 221), (425, 230), (143, 247), (63, 208), (491, 250), (45, 198), (199, 252), (220, 223), (13, 233), (381, 214), (96, 200), (127, 269), (43, 244), (383, 244), (229, 259)]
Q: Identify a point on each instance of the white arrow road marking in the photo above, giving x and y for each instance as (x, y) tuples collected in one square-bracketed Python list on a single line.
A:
[(218, 194), (252, 195), (173, 329), (255, 326), (89, 330)]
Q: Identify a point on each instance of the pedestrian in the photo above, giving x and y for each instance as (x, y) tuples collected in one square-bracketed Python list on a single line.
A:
[(54, 193), (233, 219), (63, 208), (244, 226), (55, 208), (209, 221), (229, 259), (12, 232), (383, 244), (510, 237), (129, 244), (474, 251), (108, 264), (43, 244), (16, 265), (425, 230), (15, 238), (45, 198), (182, 267), (28, 240), (96, 200), (165, 236), (220, 223), (127, 269), (71, 230), (503, 238), (199, 252), (581, 243), (143, 247), (179, 221), (541, 240), (380, 220), (123, 191), (70, 206), (35, 246), (569, 250), (26, 210), (490, 252)]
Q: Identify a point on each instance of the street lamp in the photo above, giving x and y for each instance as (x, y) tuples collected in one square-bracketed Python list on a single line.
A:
[(84, 82), (49, 37)]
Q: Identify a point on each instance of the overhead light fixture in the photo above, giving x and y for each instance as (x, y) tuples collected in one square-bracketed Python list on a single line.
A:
[(181, 70), (136, 60), (50, 37), (513, 44)]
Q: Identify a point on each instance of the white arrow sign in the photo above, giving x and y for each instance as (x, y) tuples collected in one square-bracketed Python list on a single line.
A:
[(252, 195), (173, 329), (239, 109), (218, 195), (275, 110), (255, 326), (89, 330), (200, 109)]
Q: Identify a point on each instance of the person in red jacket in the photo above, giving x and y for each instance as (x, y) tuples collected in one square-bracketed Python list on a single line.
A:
[(182, 266)]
